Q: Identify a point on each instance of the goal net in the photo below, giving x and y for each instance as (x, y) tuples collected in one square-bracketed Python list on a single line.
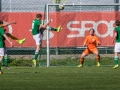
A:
[(76, 20)]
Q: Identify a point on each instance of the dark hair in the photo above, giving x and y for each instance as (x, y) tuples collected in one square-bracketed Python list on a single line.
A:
[(38, 16), (1, 22), (117, 22), (92, 29)]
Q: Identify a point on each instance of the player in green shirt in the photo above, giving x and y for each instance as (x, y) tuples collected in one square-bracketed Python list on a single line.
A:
[(20, 41), (116, 38), (2, 44), (37, 30)]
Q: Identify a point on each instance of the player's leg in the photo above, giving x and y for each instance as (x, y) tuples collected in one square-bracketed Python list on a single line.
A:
[(95, 51), (52, 28), (6, 61), (56, 29), (85, 53), (36, 55), (116, 60), (0, 64), (20, 41), (1, 58), (98, 60), (81, 60), (116, 50), (38, 42)]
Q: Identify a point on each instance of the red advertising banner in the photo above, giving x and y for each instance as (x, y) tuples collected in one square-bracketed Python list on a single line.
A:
[(75, 26)]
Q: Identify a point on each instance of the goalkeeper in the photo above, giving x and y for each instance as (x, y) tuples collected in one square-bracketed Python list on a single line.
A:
[(91, 41)]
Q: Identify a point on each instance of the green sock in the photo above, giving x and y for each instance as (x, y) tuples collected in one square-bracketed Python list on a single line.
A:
[(116, 60), (0, 64), (54, 29), (36, 55), (6, 60)]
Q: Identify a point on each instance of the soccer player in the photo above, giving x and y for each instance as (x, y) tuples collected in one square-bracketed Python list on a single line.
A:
[(91, 41), (2, 44), (20, 41), (37, 29), (116, 38)]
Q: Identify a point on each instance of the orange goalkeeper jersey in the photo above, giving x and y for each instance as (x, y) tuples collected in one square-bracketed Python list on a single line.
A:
[(91, 41)]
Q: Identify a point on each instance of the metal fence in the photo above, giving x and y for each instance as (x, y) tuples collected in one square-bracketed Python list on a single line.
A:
[(38, 5)]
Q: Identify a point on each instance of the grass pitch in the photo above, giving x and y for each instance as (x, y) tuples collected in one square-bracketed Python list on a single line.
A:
[(60, 78)]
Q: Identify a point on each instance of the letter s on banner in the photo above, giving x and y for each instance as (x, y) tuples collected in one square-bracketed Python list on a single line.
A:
[(73, 29)]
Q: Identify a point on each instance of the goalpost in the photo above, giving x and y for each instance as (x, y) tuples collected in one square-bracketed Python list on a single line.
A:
[(80, 10)]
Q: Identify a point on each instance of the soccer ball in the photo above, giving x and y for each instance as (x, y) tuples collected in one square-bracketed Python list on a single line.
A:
[(61, 7)]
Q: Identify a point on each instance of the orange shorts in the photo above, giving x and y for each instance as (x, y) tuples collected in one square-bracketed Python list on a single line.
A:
[(88, 51)]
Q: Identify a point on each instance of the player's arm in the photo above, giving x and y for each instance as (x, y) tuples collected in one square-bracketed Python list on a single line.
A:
[(6, 37), (45, 25), (97, 41), (85, 42), (6, 24), (115, 35)]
